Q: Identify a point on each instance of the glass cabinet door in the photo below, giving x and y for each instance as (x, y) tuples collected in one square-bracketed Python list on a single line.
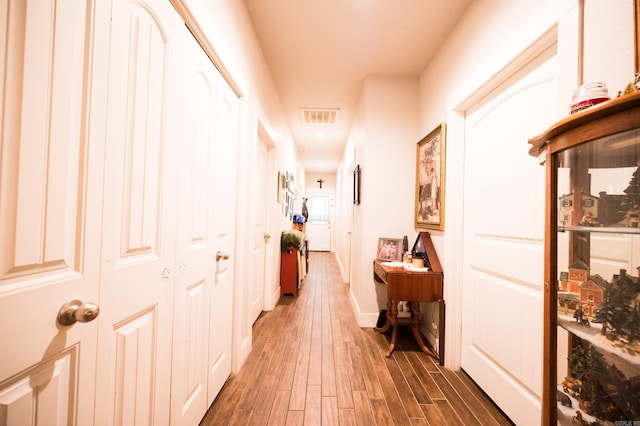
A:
[(597, 265)]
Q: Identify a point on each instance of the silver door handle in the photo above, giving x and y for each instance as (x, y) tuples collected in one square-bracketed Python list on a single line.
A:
[(267, 236), (221, 255), (76, 311)]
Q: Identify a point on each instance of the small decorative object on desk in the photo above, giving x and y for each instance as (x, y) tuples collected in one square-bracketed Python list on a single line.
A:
[(633, 86), (418, 252), (588, 95)]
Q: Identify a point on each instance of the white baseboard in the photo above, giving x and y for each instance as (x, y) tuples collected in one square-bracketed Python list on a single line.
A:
[(365, 319)]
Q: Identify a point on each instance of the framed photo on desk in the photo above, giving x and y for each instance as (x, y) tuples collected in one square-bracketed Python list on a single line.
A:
[(390, 249)]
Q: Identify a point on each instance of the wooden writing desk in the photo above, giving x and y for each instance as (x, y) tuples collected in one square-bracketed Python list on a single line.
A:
[(406, 285)]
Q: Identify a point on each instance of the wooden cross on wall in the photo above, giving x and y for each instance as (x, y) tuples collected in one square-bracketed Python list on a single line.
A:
[(320, 181)]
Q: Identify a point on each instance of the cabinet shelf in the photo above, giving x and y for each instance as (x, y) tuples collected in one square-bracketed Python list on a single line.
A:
[(600, 229)]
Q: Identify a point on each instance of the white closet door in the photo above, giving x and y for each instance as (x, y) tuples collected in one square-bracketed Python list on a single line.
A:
[(139, 228), (50, 206), (225, 187), (195, 247), (503, 242), (259, 242)]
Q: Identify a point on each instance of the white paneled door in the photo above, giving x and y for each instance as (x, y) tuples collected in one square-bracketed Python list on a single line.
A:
[(503, 242), (50, 212), (224, 224), (118, 164), (164, 348), (139, 227), (318, 227), (259, 235), (205, 236), (195, 247)]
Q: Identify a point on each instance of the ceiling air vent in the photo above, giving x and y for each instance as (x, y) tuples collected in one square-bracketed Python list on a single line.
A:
[(319, 116)]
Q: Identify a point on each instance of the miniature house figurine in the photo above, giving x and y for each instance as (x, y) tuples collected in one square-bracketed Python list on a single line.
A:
[(574, 207), (579, 290), (578, 208)]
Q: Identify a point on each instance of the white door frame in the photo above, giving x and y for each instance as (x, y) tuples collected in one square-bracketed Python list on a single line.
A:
[(534, 36)]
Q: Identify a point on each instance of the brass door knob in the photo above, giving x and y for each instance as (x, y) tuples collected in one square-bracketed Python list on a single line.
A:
[(221, 255), (76, 311)]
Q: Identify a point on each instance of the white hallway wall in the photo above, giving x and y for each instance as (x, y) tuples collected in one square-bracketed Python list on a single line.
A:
[(384, 142)]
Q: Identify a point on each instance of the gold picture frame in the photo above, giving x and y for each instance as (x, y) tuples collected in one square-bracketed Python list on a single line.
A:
[(430, 180)]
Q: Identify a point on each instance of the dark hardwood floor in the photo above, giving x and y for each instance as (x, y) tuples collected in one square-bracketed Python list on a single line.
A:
[(311, 364)]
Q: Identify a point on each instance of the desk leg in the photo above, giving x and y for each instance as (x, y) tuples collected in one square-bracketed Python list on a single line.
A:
[(392, 318), (394, 337), (441, 332), (415, 327), (387, 322)]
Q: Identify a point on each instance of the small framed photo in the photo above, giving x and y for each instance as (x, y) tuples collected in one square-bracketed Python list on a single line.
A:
[(390, 249)]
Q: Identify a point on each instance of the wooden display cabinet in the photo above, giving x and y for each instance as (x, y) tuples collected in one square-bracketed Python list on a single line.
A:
[(592, 260)]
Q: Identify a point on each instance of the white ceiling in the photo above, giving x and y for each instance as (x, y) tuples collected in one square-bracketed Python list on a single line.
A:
[(319, 54)]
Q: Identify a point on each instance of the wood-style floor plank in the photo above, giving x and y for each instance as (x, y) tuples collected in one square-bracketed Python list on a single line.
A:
[(433, 413), (280, 408), (491, 408), (330, 412), (295, 418), (343, 384), (328, 371), (311, 364), (418, 391), (362, 408), (426, 380), (313, 406)]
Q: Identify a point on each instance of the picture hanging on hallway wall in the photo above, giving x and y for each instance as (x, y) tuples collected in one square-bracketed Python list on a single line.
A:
[(287, 193), (430, 176), (356, 185), (281, 186)]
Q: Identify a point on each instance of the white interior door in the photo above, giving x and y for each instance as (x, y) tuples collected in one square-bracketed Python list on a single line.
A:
[(137, 276), (318, 229), (259, 235), (224, 223), (503, 242), (195, 245), (50, 213)]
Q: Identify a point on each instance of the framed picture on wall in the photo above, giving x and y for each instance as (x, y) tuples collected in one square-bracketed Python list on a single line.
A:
[(356, 185), (390, 249), (430, 176)]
